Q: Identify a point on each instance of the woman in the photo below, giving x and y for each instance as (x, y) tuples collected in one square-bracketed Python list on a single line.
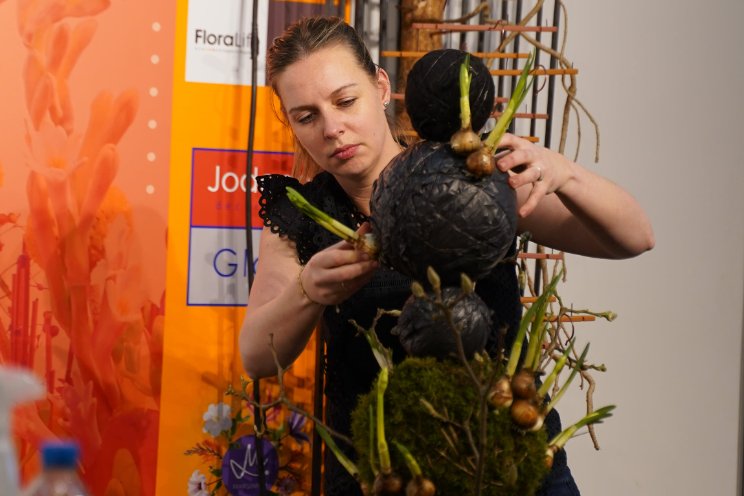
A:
[(334, 99)]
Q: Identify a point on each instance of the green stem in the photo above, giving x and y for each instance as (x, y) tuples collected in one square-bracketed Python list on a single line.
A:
[(382, 446), (383, 355), (579, 364), (524, 83), (372, 462), (465, 78), (342, 459), (365, 243), (413, 465), (537, 331), (595, 417), (556, 370)]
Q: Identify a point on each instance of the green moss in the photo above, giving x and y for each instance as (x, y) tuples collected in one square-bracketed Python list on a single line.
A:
[(515, 462)]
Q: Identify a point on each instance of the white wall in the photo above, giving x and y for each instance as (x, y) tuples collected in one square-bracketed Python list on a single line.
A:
[(665, 79)]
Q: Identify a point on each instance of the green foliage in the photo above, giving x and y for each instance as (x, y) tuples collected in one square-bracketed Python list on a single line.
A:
[(439, 440)]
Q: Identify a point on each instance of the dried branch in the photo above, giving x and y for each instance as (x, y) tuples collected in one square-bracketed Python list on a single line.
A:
[(481, 7)]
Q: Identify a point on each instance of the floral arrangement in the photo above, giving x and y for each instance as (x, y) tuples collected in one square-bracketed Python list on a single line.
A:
[(230, 450)]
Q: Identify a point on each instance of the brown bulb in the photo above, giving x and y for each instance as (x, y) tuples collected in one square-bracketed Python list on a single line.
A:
[(500, 395), (420, 486), (465, 141), (524, 413), (523, 384), (480, 163), (387, 485)]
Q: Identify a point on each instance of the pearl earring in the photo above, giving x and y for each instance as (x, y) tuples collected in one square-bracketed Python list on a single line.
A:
[(385, 104)]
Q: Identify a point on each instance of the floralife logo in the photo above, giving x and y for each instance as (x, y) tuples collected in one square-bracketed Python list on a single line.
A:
[(207, 40), (218, 41)]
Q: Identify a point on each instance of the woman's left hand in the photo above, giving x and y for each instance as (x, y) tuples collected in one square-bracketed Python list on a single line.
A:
[(530, 164)]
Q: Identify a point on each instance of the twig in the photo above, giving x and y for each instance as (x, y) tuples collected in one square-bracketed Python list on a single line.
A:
[(481, 7), (526, 19), (282, 399)]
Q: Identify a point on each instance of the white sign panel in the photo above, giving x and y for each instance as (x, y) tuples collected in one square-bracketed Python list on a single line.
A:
[(218, 47), (218, 266)]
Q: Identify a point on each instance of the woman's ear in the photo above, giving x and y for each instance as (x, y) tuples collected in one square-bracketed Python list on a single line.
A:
[(383, 84)]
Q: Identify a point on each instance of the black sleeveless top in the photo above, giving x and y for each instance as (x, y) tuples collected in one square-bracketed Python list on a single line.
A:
[(350, 367)]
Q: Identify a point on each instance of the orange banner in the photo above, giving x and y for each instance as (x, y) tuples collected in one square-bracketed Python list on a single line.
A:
[(123, 251)]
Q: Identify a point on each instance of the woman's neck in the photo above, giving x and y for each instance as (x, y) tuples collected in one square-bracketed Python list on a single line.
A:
[(359, 191), (359, 188)]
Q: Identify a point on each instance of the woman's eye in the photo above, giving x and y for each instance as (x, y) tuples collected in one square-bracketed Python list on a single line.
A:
[(305, 118), (346, 102)]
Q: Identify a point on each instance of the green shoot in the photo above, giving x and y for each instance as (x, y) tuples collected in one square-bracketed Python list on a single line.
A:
[(595, 417), (537, 329), (342, 459), (556, 370), (382, 446), (365, 243), (465, 78), (413, 465), (579, 364), (524, 83)]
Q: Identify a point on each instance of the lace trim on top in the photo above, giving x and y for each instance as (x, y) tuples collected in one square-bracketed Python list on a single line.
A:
[(281, 217)]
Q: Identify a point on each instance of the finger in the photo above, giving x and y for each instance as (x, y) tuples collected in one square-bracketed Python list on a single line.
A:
[(341, 253), (538, 192), (334, 275), (509, 140), (529, 176), (364, 228), (354, 271), (512, 161)]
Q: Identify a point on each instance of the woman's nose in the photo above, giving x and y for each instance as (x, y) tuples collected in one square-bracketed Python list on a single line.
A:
[(333, 127)]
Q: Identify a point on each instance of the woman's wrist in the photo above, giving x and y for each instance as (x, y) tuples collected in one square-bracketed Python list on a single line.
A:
[(571, 177), (303, 292)]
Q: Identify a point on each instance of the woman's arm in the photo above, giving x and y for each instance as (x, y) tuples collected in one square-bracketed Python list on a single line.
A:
[(278, 307), (567, 207)]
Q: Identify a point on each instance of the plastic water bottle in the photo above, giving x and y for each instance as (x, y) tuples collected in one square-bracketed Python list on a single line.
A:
[(59, 475)]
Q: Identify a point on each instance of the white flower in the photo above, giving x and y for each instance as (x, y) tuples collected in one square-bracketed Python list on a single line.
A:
[(198, 484), (217, 419)]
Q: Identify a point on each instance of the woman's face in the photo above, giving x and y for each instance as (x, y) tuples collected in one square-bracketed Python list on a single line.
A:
[(336, 112)]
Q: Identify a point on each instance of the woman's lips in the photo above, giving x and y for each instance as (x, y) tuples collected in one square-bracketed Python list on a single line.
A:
[(345, 152)]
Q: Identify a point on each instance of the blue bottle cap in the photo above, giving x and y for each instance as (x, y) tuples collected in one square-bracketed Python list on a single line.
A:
[(60, 454)]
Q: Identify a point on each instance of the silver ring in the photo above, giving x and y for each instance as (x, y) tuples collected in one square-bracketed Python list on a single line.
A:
[(540, 177)]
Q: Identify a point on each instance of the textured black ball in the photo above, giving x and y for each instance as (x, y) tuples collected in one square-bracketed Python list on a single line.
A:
[(433, 94), (427, 210), (424, 332)]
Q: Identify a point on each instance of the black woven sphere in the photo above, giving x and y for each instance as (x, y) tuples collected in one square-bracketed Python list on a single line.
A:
[(424, 332), (427, 210), (433, 94)]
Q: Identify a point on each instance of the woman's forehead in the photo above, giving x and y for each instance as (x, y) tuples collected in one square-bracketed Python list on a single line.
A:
[(320, 74)]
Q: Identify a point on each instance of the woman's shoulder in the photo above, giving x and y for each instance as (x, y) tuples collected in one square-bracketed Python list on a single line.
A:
[(274, 186), (280, 216)]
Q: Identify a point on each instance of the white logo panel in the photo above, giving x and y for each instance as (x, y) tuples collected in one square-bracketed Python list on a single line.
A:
[(218, 266), (218, 45)]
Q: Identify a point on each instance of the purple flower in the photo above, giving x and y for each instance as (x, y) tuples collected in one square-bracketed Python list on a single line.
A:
[(296, 424)]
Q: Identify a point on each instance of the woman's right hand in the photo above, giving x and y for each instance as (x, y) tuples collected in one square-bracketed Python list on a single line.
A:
[(337, 272)]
